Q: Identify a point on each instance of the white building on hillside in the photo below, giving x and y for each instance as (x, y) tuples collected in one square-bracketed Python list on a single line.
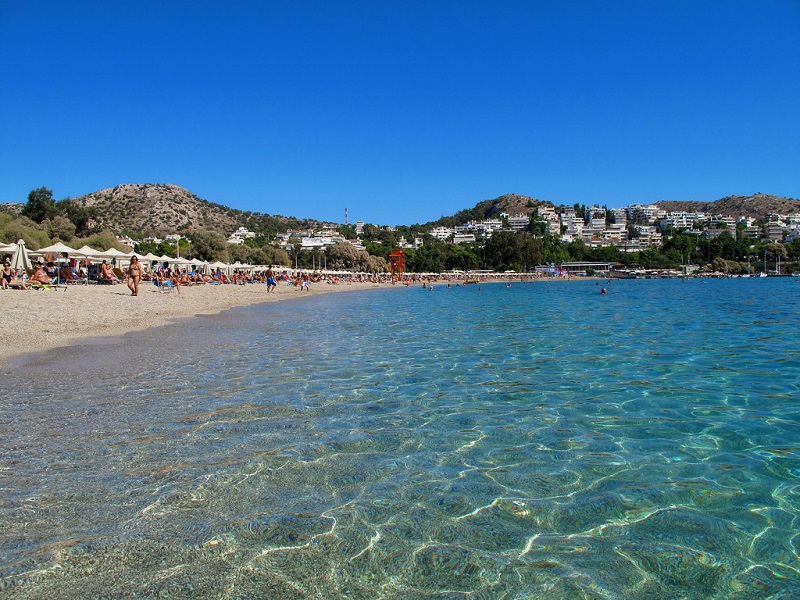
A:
[(639, 213), (464, 238), (413, 244), (519, 222), (240, 235), (441, 233)]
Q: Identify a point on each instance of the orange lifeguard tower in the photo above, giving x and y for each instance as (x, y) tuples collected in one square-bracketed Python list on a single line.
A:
[(397, 264)]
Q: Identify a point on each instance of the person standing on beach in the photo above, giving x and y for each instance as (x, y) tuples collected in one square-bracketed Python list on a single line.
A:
[(134, 276), (271, 285)]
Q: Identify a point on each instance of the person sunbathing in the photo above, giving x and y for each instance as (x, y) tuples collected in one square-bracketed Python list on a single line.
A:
[(106, 274), (175, 278), (66, 275), (40, 275), (18, 280), (9, 278), (169, 277)]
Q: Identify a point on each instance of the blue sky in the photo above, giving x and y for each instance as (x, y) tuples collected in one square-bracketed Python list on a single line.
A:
[(401, 111)]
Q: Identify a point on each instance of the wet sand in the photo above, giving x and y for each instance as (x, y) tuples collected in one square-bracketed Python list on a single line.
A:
[(40, 320)]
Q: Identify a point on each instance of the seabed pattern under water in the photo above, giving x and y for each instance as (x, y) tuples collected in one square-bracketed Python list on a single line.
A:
[(538, 441)]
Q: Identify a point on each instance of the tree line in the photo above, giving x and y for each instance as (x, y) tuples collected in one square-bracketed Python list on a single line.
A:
[(522, 251)]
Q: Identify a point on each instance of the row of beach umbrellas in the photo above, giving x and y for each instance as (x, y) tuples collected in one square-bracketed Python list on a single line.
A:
[(21, 257)]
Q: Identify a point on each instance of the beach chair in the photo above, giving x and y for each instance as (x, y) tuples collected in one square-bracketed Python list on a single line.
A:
[(38, 285), (164, 288), (68, 277)]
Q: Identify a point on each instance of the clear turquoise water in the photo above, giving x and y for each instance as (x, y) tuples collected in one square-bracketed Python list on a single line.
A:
[(542, 441)]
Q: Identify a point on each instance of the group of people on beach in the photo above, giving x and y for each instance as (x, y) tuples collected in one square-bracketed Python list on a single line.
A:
[(166, 274), (41, 275)]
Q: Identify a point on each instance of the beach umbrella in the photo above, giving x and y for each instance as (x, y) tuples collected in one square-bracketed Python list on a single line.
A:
[(60, 250), (113, 253), (20, 258), (87, 252), (57, 248), (88, 255), (219, 265), (148, 260), (116, 255), (8, 248), (196, 264)]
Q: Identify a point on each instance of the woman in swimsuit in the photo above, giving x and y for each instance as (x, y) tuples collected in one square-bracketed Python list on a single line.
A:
[(134, 276), (8, 275), (40, 275)]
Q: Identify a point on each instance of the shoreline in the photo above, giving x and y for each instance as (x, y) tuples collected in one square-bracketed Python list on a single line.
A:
[(37, 321)]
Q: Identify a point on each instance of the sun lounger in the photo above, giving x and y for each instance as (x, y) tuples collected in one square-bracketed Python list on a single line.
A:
[(38, 285), (164, 288)]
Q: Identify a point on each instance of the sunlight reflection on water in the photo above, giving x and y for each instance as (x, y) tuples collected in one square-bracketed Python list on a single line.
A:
[(541, 440)]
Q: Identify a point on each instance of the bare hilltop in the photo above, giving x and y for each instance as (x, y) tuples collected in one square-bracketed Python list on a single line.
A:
[(158, 209), (163, 208), (757, 206)]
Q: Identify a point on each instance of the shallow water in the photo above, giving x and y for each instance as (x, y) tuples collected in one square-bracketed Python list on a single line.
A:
[(539, 441)]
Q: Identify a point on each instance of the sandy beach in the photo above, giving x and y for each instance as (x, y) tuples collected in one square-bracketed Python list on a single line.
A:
[(39, 320)]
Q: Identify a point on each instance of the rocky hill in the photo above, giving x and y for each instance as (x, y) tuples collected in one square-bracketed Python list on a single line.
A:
[(757, 206), (160, 209), (512, 204), (157, 209)]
